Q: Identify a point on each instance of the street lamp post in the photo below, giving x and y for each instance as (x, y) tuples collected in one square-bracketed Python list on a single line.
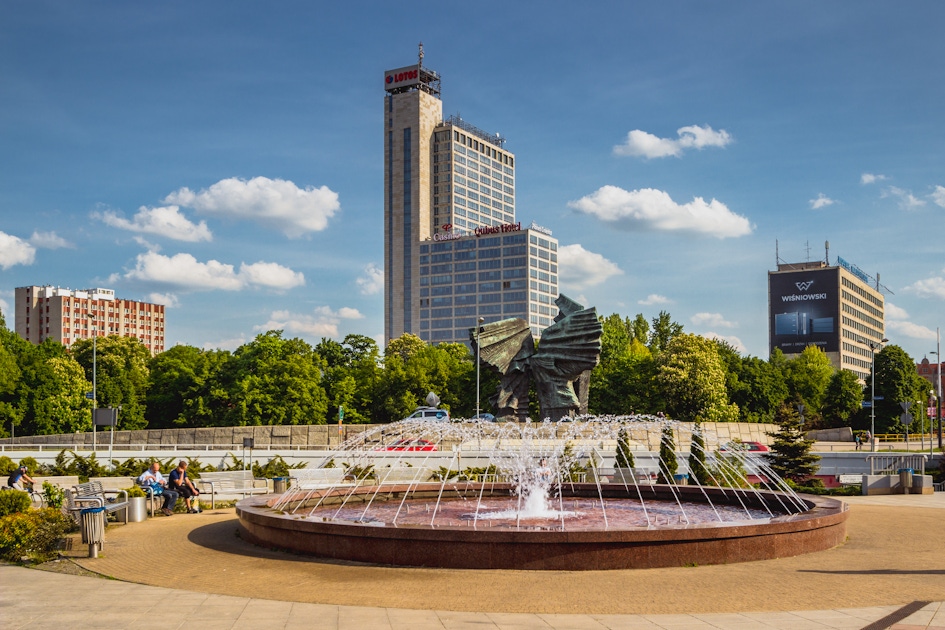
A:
[(938, 381), (873, 346), (478, 332)]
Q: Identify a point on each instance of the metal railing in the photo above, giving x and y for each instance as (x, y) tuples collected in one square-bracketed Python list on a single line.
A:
[(891, 464)]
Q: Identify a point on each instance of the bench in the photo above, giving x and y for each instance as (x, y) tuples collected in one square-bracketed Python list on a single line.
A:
[(92, 494), (232, 482), (850, 480)]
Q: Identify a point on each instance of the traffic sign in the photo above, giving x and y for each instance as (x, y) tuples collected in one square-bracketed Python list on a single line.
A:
[(867, 404), (90, 395), (905, 418), (905, 405), (879, 398)]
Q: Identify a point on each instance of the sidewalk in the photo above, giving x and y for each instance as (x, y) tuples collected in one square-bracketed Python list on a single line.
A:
[(226, 583)]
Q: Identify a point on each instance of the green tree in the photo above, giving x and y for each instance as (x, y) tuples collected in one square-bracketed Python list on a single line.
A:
[(759, 389), (842, 400), (11, 413), (624, 451), (668, 463), (663, 332), (691, 381), (121, 375), (273, 381), (896, 382), (807, 377), (622, 382), (790, 453), (697, 465)]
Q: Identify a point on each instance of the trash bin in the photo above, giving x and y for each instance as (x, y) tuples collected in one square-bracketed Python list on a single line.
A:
[(137, 509), (681, 480), (905, 479), (280, 484), (93, 529)]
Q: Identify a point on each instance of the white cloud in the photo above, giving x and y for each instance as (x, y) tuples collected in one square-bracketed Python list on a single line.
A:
[(15, 251), (226, 344), (651, 209), (5, 309), (579, 268), (897, 321), (272, 275), (49, 240), (938, 196), (653, 299), (732, 340), (167, 299), (272, 202), (643, 144), (712, 319), (372, 282), (871, 178), (908, 329), (166, 221), (822, 201), (894, 312), (907, 201), (185, 272), (323, 322), (933, 287)]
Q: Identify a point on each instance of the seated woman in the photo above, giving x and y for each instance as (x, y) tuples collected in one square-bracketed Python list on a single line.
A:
[(180, 483), (155, 481)]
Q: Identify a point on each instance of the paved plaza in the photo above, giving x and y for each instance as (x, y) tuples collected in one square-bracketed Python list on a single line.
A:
[(193, 571)]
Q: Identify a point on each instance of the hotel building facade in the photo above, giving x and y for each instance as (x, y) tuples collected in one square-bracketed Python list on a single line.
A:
[(454, 251), (47, 312), (832, 307)]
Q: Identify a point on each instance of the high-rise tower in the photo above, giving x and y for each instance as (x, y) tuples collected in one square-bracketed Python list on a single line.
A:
[(446, 183)]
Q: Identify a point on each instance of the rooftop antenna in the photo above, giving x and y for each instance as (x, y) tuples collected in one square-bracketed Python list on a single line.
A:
[(777, 257), (827, 248), (807, 247), (420, 62)]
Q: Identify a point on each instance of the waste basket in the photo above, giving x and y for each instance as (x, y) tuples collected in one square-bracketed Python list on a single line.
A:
[(93, 529), (905, 479), (681, 480), (280, 484), (137, 509)]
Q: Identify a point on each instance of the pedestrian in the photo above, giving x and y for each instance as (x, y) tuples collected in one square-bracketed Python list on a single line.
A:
[(856, 438)]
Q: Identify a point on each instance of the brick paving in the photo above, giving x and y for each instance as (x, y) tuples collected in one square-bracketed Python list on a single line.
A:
[(894, 556)]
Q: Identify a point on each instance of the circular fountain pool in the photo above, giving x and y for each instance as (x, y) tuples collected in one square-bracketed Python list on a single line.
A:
[(537, 496)]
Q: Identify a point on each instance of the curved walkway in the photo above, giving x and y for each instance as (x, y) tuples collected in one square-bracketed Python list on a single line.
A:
[(894, 557)]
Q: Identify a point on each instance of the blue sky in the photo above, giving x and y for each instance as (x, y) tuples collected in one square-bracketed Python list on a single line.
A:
[(225, 158)]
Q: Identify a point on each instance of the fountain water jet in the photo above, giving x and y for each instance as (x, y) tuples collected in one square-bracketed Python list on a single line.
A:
[(538, 496)]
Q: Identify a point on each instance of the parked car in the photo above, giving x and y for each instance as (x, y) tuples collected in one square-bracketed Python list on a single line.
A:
[(409, 444), (484, 417), (753, 447), (430, 413)]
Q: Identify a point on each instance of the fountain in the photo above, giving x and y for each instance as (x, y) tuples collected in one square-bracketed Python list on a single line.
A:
[(541, 495)]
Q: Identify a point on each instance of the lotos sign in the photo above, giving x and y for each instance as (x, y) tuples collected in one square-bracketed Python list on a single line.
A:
[(401, 77)]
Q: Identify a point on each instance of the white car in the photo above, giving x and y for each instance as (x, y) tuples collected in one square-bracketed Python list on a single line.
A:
[(430, 413)]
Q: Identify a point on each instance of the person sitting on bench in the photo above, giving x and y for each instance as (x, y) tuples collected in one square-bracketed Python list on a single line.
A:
[(153, 479), (180, 483)]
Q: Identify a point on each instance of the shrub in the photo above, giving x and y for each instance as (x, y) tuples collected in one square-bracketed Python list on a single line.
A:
[(32, 465), (34, 533), (53, 495), (624, 452), (7, 465), (13, 501), (136, 491)]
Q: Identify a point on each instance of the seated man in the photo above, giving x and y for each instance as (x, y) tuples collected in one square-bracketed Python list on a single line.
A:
[(153, 479), (180, 482), (18, 478)]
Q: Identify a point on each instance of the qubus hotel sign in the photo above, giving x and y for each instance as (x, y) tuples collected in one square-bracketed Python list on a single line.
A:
[(402, 77), (449, 235), (804, 310)]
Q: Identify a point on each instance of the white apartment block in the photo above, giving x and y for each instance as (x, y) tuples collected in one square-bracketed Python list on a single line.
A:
[(47, 312)]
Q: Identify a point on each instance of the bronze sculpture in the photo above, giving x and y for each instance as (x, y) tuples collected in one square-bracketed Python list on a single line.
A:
[(559, 366)]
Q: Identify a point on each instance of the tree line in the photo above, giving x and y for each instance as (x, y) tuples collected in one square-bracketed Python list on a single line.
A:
[(646, 367)]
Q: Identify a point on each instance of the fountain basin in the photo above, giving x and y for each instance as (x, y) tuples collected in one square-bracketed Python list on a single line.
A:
[(821, 527)]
